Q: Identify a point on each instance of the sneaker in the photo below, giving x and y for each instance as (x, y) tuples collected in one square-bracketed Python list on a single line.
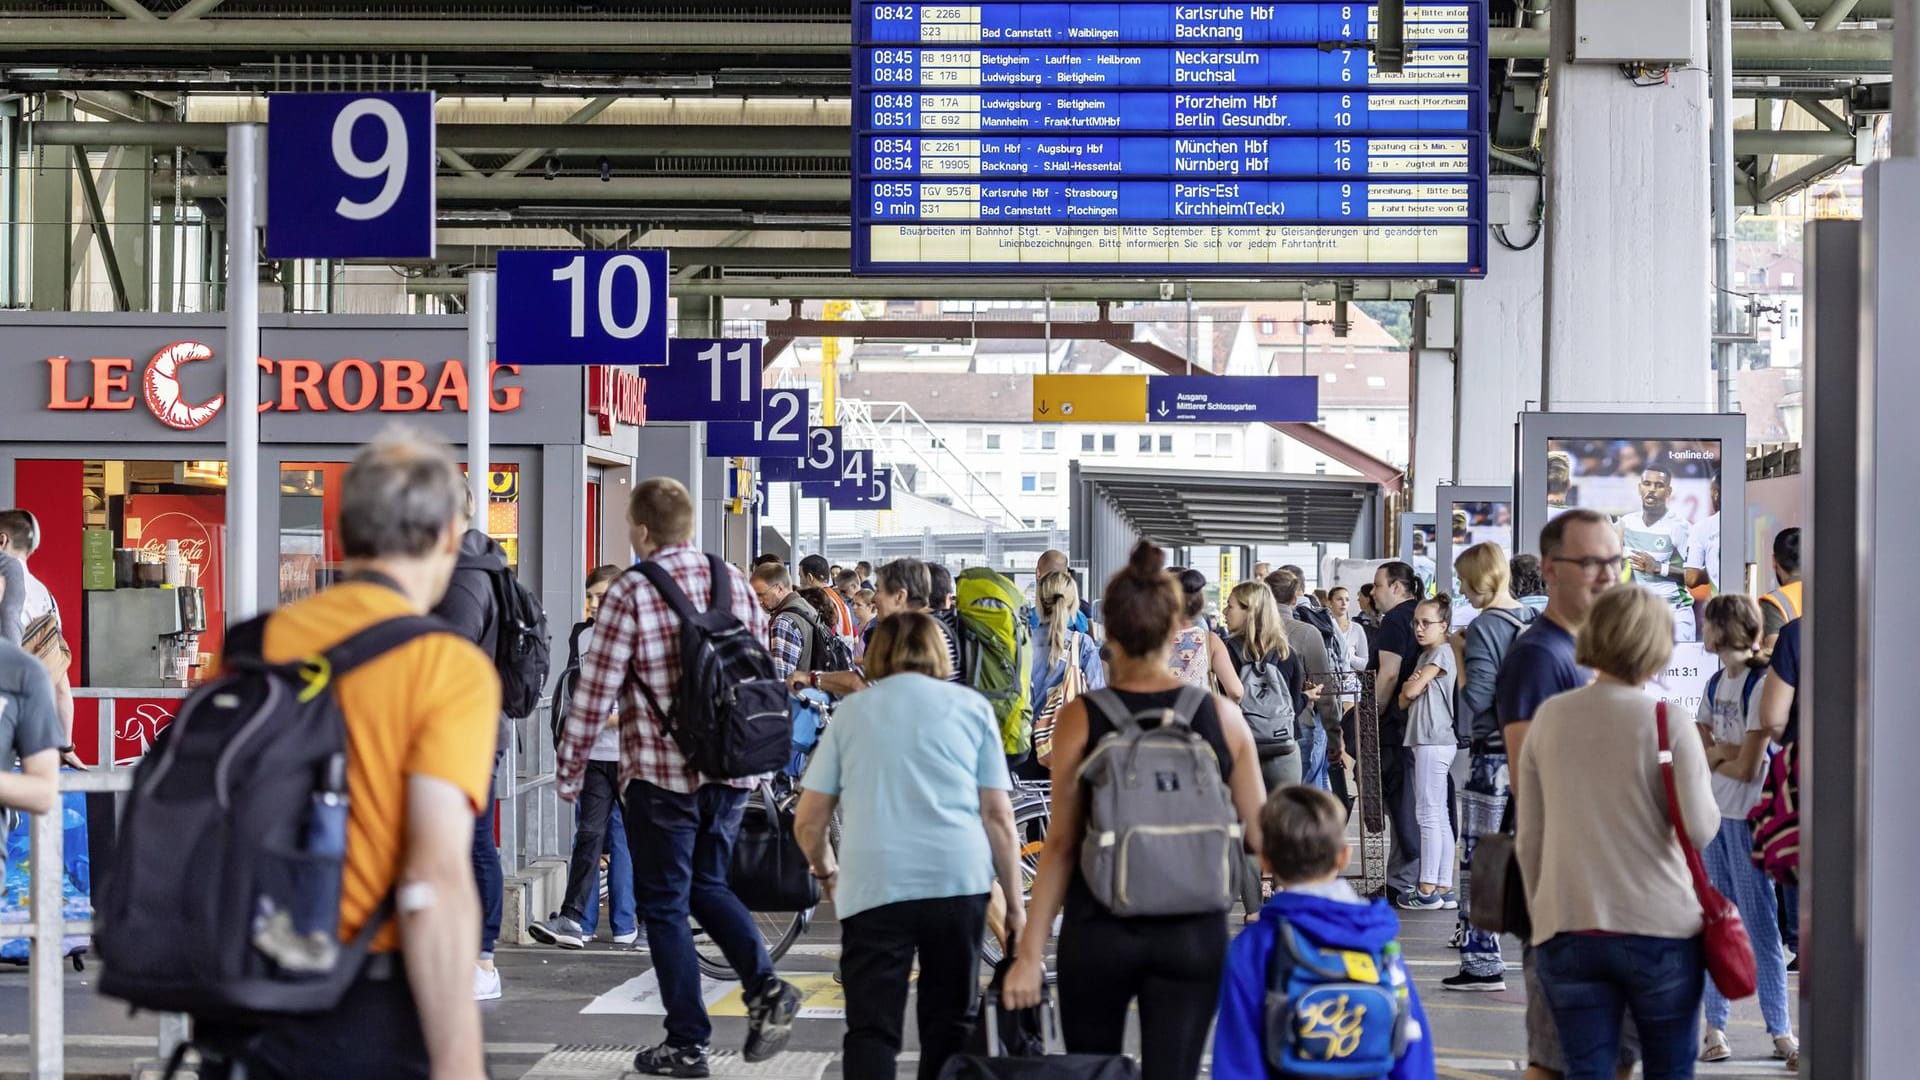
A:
[(627, 938), (1482, 983), (1449, 900), (1459, 938), (1786, 1048), (560, 931), (1715, 1047), (1793, 965), (770, 1020), (665, 1060), (1412, 900), (486, 983)]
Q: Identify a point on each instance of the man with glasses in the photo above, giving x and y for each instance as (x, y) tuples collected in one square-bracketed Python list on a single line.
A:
[(1580, 555)]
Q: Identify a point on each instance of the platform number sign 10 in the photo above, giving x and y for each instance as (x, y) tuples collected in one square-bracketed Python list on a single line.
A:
[(582, 307), (350, 176)]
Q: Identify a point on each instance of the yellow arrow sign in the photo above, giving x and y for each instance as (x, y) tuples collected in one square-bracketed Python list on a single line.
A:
[(1090, 399)]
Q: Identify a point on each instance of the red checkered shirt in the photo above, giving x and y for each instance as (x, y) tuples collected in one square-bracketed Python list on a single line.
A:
[(636, 637)]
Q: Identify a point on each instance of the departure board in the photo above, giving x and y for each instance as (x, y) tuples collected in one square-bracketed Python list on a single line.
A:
[(1140, 137)]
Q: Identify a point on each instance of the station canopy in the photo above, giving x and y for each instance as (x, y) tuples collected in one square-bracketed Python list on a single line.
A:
[(1195, 509)]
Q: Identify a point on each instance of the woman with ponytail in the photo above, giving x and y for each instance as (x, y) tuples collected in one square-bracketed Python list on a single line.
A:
[(1068, 663), (1736, 741)]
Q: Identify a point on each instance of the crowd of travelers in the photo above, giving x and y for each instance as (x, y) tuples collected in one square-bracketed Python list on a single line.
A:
[(1239, 699)]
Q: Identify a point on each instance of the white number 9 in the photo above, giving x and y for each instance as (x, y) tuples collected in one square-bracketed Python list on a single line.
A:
[(392, 162)]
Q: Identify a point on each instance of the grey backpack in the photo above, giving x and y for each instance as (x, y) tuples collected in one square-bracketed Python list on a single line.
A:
[(1268, 706), (1162, 836)]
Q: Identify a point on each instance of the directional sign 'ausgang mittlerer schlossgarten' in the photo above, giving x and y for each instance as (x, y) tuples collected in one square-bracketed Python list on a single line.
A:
[(1232, 399)]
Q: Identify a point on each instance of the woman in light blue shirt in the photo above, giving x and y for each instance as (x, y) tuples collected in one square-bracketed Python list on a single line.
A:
[(915, 765)]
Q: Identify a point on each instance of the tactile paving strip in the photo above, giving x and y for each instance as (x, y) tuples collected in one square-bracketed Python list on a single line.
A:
[(610, 1062)]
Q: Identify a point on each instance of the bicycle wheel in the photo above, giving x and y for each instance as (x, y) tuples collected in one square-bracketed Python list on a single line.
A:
[(778, 930), (1030, 821)]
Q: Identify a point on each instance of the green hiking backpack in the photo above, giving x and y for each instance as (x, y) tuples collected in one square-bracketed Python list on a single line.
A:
[(996, 652)]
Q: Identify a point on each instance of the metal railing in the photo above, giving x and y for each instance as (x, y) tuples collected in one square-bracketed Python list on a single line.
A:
[(534, 823)]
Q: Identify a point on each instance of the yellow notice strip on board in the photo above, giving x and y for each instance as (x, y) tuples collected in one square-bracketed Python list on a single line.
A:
[(1090, 399)]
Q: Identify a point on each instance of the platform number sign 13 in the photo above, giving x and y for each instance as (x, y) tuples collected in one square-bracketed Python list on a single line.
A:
[(350, 176), (582, 307)]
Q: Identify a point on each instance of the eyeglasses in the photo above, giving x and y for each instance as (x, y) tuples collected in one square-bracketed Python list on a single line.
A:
[(1607, 567), (1429, 622)]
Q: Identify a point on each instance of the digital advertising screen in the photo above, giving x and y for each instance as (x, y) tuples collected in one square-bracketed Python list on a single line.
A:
[(1417, 540), (1664, 481), (1231, 139), (1473, 515)]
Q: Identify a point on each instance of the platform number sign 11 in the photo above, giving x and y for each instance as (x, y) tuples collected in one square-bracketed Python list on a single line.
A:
[(350, 176), (582, 307)]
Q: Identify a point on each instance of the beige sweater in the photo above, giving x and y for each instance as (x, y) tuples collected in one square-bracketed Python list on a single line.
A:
[(1596, 848)]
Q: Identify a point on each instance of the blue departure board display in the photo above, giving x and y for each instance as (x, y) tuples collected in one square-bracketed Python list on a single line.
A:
[(1142, 137)]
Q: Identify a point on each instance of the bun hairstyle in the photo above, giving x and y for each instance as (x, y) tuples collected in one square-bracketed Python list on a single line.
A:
[(1441, 603), (1142, 603), (1193, 586)]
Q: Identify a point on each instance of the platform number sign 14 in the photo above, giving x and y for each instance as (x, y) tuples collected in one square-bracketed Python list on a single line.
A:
[(582, 307), (350, 176)]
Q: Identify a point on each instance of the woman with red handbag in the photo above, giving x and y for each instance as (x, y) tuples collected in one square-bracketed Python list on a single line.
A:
[(1618, 911)]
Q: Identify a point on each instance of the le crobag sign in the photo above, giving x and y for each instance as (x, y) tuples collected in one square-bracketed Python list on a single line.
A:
[(350, 385)]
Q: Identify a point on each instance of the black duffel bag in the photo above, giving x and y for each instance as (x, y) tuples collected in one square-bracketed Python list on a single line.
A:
[(769, 872)]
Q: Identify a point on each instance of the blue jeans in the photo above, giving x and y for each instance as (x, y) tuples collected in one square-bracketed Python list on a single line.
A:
[(1313, 750), (1731, 869), (1592, 981), (486, 874), (1482, 805), (619, 881), (681, 846)]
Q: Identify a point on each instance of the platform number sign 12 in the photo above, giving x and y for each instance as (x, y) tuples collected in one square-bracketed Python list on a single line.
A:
[(780, 432), (350, 176), (582, 307)]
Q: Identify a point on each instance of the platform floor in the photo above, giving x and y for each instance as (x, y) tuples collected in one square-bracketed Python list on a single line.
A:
[(579, 1015)]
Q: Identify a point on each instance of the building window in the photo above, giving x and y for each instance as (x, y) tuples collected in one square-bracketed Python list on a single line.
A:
[(1266, 327), (1086, 443), (1047, 438), (992, 480), (1106, 444), (1146, 444), (1048, 481), (1166, 444), (1029, 523), (1202, 445), (993, 440), (1029, 482), (1029, 439), (1376, 382), (975, 438), (1223, 444)]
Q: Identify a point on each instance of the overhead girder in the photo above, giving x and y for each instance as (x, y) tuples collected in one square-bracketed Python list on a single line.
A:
[(999, 288), (622, 140)]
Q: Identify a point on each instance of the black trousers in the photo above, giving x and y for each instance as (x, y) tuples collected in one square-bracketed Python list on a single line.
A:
[(877, 947), (1337, 776), (599, 789), (374, 1031), (1171, 966)]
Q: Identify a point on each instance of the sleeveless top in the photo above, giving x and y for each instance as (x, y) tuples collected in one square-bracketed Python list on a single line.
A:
[(1192, 662)]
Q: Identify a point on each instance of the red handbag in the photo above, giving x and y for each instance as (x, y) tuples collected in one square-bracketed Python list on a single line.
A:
[(1723, 937)]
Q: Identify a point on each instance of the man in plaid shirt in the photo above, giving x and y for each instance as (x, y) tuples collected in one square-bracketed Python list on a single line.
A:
[(681, 825)]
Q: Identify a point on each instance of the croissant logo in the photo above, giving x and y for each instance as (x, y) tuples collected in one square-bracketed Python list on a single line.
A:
[(391, 385)]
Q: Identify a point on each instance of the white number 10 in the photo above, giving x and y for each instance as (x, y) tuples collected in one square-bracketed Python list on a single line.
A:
[(575, 273), (392, 162)]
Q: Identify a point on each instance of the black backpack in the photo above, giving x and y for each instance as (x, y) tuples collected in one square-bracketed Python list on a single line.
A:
[(222, 898), (522, 651), (1320, 620), (729, 716)]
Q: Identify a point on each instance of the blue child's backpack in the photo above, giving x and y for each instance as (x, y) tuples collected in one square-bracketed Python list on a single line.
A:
[(1334, 1014)]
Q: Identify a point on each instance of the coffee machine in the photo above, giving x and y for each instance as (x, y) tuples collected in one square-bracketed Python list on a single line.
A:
[(145, 637)]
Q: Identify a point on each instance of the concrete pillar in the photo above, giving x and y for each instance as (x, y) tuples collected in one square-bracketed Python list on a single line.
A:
[(1500, 339), (1434, 391), (1628, 325), (132, 211)]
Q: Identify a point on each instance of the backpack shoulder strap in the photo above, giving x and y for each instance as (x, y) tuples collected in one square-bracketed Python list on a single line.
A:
[(1755, 676), (720, 585), (1185, 707), (669, 589), (1507, 617), (1713, 685), (380, 638), (1114, 710)]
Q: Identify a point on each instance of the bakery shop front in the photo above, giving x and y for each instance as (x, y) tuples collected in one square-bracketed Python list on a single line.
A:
[(113, 434)]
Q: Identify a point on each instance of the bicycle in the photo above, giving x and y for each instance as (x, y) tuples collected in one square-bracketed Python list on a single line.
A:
[(1032, 814), (778, 929)]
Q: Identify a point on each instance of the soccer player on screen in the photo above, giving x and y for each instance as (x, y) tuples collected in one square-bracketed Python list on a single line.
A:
[(1655, 542)]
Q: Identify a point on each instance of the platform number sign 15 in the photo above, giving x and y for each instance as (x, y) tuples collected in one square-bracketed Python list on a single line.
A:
[(350, 176), (582, 307)]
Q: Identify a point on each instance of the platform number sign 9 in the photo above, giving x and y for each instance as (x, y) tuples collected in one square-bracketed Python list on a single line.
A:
[(582, 307), (350, 176)]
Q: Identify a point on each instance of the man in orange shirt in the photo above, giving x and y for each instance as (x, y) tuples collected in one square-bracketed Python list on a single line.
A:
[(420, 737)]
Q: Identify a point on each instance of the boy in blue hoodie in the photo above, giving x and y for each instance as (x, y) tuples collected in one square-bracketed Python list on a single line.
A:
[(1345, 998)]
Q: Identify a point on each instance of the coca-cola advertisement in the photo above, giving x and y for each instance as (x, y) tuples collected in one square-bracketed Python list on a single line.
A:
[(199, 523)]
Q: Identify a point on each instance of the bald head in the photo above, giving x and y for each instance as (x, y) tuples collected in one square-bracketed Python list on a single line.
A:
[(1050, 561)]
